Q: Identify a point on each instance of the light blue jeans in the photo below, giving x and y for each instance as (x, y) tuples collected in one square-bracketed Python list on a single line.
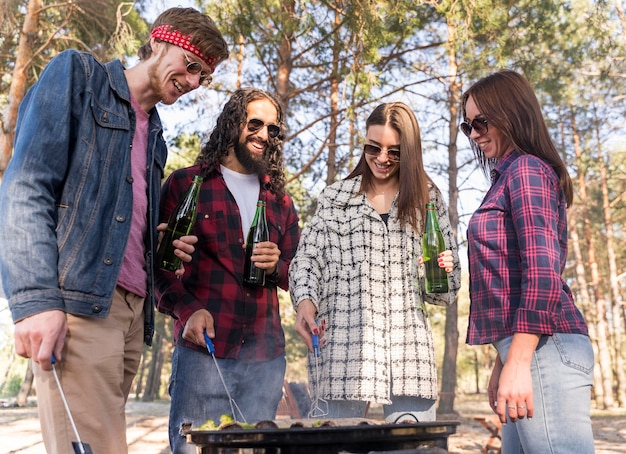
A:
[(401, 408), (198, 394), (562, 374)]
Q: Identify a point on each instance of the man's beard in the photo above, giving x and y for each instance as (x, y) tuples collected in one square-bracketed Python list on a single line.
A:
[(155, 82), (252, 164)]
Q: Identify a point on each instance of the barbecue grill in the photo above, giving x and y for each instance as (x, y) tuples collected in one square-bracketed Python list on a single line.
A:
[(422, 438)]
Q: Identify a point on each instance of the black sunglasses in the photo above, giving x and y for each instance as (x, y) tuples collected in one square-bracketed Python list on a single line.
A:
[(480, 125), (374, 150), (255, 125), (193, 67)]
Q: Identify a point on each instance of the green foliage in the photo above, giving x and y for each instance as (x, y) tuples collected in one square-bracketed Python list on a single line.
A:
[(359, 53), (182, 152), (106, 28), (296, 350), (12, 386)]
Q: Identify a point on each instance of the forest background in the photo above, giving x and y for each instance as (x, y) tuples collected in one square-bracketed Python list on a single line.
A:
[(330, 62)]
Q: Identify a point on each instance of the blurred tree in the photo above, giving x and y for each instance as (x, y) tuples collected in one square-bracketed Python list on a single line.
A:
[(34, 31)]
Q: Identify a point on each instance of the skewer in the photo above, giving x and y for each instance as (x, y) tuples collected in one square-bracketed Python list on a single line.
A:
[(319, 406), (79, 447), (231, 401)]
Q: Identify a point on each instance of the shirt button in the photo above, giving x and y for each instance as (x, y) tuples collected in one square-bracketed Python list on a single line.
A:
[(96, 308), (108, 261), (120, 218)]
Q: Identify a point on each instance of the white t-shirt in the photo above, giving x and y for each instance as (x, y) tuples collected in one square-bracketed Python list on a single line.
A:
[(245, 189)]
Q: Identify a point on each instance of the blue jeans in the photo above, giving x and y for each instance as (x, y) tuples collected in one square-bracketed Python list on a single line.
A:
[(402, 407), (562, 374), (198, 394)]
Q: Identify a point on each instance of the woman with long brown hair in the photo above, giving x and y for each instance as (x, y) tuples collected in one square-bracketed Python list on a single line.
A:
[(357, 277), (517, 245)]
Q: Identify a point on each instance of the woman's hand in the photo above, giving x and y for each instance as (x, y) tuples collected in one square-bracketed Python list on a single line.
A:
[(515, 385), (445, 260), (305, 322)]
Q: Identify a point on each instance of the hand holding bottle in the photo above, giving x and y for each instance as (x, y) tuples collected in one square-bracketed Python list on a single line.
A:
[(179, 224), (445, 261), (265, 255), (184, 247), (433, 245), (256, 264)]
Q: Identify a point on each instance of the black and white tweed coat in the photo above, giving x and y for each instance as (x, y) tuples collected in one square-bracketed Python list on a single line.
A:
[(364, 278)]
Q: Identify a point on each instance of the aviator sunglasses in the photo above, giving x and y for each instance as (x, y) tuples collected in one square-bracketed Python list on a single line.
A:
[(255, 125), (480, 125), (193, 67), (393, 154)]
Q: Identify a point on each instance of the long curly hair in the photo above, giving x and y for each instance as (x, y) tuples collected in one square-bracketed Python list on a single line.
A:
[(228, 130)]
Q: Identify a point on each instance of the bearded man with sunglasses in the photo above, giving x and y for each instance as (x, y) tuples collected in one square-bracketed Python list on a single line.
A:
[(79, 218), (241, 164)]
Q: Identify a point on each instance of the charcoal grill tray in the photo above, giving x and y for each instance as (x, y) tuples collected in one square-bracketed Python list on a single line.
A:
[(328, 439)]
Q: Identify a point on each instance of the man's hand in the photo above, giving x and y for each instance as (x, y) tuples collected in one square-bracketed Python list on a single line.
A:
[(196, 325), (265, 256), (184, 247), (39, 335)]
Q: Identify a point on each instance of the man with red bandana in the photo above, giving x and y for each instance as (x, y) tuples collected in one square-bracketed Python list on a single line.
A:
[(78, 231), (241, 164)]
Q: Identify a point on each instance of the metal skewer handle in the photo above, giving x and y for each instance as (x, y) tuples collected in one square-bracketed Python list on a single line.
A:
[(82, 448), (231, 401)]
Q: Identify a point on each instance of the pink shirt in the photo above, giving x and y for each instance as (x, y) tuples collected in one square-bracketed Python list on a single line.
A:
[(133, 276)]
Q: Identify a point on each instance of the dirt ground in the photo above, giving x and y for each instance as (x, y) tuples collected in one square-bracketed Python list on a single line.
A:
[(609, 428), (147, 428)]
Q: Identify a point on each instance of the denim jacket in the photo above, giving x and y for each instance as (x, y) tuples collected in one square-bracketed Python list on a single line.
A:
[(66, 196)]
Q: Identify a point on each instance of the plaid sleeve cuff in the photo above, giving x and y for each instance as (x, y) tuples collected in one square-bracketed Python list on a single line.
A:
[(536, 322)]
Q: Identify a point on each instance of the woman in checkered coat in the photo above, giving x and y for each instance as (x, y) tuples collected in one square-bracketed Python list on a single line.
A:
[(357, 278)]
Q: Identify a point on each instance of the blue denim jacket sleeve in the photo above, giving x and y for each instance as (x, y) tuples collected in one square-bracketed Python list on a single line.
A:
[(66, 196)]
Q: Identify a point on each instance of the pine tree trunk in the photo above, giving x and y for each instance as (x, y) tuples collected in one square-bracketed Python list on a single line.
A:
[(449, 380), (603, 357), (153, 382), (27, 386), (18, 82)]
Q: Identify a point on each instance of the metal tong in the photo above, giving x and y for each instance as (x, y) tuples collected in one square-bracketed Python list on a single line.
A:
[(78, 446), (233, 405), (319, 406)]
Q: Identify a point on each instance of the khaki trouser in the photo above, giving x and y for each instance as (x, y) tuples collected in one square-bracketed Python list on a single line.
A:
[(100, 360)]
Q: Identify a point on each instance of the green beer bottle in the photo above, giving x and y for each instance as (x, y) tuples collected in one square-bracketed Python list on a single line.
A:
[(433, 245), (257, 234), (180, 223)]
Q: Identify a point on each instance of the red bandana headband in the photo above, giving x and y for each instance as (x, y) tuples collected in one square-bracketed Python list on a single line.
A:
[(169, 35)]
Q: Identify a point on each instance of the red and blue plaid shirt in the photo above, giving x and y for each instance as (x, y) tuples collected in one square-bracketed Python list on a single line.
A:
[(213, 279), (517, 246)]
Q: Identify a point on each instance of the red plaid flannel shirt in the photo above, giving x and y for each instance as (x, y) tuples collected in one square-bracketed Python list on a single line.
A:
[(213, 279)]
